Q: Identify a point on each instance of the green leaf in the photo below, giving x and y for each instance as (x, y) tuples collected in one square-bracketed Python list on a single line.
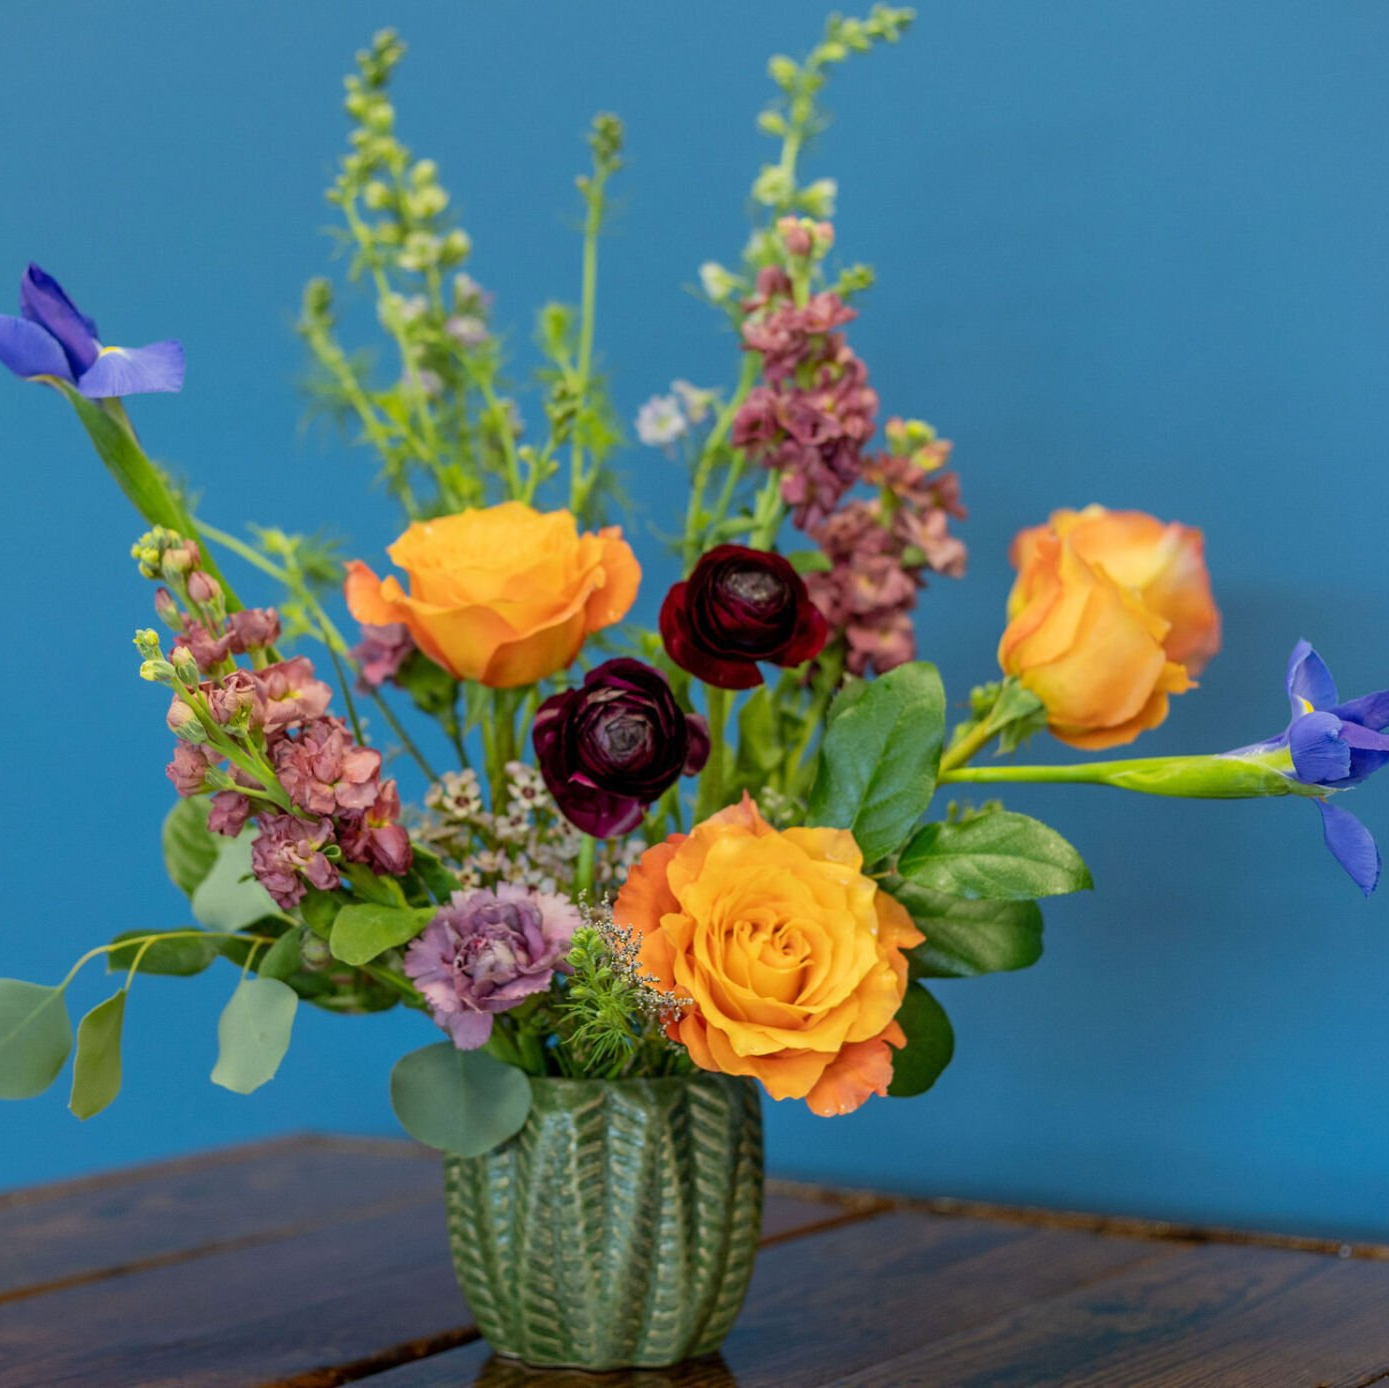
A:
[(35, 1037), (362, 932), (967, 938), (930, 1044), (253, 1034), (759, 741), (96, 1069), (190, 849), (432, 872), (809, 561), (181, 957), (283, 958), (464, 1102), (229, 897), (879, 758), (998, 855), (320, 909), (384, 891)]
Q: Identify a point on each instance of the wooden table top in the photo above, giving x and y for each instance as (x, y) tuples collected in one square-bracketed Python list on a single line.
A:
[(316, 1261)]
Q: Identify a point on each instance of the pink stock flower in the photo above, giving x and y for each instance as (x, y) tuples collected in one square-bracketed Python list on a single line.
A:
[(253, 629), (188, 769), (292, 693), (381, 652), (234, 694), (374, 837), (324, 770), (287, 854), (227, 813)]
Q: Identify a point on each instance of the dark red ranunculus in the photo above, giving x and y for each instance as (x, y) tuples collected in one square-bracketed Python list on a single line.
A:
[(611, 747), (740, 606)]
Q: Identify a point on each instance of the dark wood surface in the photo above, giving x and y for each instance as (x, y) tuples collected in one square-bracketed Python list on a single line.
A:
[(312, 1262)]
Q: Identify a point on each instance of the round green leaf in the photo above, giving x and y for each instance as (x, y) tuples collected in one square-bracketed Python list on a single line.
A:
[(96, 1069), (283, 958), (35, 1037), (464, 1102), (253, 1034), (930, 1044), (229, 897), (363, 931), (190, 849)]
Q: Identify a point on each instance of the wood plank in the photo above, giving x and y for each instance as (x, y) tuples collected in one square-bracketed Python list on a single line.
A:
[(847, 1298), (99, 1226), (366, 1287), (1228, 1316), (337, 1296)]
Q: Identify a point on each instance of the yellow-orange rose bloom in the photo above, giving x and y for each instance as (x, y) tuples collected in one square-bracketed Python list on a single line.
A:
[(790, 958), (1162, 561), (1088, 648), (504, 595)]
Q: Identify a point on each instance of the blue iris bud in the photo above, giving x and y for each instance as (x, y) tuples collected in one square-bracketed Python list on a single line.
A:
[(52, 340)]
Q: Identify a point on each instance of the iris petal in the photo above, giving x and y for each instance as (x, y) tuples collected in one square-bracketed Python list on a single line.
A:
[(1309, 679), (1370, 710), (1320, 754), (134, 371), (42, 301), (1352, 844), (29, 351), (1369, 750)]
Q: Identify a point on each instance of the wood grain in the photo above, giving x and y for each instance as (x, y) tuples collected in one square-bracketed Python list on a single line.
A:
[(847, 1298), (80, 1230), (1227, 1316)]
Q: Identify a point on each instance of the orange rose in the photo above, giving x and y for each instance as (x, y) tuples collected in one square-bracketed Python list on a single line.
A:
[(790, 957), (1087, 647), (504, 595), (1163, 562)]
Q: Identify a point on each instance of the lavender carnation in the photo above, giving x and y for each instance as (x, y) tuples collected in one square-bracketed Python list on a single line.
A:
[(486, 952)]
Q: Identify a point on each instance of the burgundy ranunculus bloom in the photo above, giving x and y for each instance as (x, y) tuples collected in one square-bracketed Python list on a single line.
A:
[(740, 606), (611, 747)]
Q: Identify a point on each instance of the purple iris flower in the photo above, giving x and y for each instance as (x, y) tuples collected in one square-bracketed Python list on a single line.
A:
[(1335, 745), (52, 339)]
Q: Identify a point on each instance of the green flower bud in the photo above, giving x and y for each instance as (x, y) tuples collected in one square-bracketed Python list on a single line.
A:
[(772, 187), (377, 195), (819, 198), (718, 283), (184, 665), (157, 671), (782, 70), (147, 643)]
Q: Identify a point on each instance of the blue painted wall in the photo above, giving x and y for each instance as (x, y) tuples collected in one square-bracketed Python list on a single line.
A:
[(1127, 252)]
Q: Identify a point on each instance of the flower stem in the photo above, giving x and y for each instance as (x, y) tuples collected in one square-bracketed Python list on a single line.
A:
[(711, 782), (583, 868), (1193, 777), (977, 738)]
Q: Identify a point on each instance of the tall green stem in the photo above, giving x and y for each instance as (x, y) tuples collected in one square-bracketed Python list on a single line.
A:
[(1197, 777)]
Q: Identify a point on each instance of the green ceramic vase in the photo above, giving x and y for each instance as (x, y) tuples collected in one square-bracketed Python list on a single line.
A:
[(618, 1228)]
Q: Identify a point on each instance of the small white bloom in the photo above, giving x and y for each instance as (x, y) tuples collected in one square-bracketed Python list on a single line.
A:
[(698, 402), (661, 421)]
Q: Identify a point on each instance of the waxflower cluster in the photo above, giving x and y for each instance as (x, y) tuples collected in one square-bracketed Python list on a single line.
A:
[(260, 737)]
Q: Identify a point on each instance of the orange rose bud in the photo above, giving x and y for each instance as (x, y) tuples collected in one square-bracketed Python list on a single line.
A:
[(1163, 561), (504, 595), (790, 958), (1087, 647)]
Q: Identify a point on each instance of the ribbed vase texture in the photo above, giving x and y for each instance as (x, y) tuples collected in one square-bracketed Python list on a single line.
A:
[(618, 1227)]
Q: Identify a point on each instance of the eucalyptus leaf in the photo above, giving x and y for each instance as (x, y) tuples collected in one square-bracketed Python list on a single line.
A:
[(967, 938), (880, 757), (464, 1102), (283, 958), (229, 897), (190, 848), (253, 1034), (181, 956), (35, 1037), (96, 1069), (997, 856), (361, 932), (930, 1044)]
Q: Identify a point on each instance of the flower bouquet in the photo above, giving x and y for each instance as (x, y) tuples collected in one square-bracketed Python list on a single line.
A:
[(665, 871)]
